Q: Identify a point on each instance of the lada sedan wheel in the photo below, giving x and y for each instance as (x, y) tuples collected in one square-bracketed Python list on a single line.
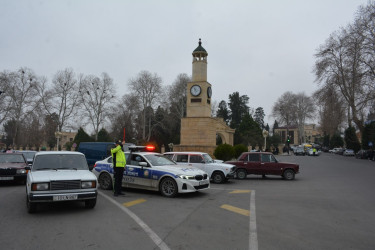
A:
[(168, 187), (288, 174), (241, 174), (218, 177), (105, 181), (90, 203), (31, 207)]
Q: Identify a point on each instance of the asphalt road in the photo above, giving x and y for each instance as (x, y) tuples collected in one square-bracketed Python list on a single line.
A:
[(330, 205)]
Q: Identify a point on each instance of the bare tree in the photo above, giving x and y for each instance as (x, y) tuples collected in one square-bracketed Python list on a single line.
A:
[(147, 87), (22, 95), (304, 110), (346, 62), (5, 100), (331, 110), (284, 109), (96, 96), (177, 95), (61, 98)]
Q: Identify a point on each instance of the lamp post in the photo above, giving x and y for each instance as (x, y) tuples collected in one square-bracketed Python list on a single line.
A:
[(265, 134), (58, 136)]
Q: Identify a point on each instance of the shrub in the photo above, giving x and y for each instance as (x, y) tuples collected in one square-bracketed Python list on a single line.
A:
[(239, 149), (224, 152)]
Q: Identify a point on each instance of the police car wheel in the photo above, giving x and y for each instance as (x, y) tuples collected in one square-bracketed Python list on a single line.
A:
[(105, 181), (168, 187)]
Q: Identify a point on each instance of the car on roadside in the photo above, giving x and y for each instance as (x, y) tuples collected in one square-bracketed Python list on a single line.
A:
[(334, 150), (153, 171), (13, 167), (348, 152), (363, 154), (218, 172), (310, 152), (29, 155), (57, 176), (299, 151), (263, 163)]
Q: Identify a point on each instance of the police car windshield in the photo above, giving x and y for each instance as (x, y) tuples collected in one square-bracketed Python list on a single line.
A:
[(159, 160), (207, 158)]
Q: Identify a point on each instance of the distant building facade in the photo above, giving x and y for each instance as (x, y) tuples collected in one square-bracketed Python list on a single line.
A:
[(312, 134)]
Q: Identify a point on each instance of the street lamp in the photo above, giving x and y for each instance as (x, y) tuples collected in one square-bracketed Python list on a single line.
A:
[(265, 134)]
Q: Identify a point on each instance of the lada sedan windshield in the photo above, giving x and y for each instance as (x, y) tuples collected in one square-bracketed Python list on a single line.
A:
[(159, 160), (10, 158), (57, 162)]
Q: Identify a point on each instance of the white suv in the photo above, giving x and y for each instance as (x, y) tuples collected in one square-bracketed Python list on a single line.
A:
[(218, 172), (60, 176)]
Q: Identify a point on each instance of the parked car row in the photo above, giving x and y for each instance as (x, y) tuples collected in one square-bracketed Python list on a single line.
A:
[(56, 176)]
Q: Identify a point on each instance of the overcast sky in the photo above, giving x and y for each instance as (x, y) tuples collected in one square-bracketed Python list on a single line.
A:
[(256, 47)]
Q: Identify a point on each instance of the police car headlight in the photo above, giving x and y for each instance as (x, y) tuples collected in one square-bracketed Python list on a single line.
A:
[(88, 184), (21, 171), (186, 177), (40, 186)]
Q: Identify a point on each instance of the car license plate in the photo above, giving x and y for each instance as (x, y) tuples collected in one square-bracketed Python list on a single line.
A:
[(65, 197), (205, 182), (6, 178)]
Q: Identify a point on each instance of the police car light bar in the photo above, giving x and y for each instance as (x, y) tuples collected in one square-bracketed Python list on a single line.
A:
[(141, 148)]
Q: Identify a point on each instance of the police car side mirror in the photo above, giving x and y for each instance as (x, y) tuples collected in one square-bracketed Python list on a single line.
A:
[(143, 164)]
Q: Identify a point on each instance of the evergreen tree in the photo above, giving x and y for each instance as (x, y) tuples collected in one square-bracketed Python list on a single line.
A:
[(336, 141), (249, 132), (82, 136), (351, 139), (103, 136), (238, 107), (368, 135), (259, 117), (223, 112)]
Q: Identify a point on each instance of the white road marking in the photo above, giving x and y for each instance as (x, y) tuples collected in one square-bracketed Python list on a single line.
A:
[(154, 237), (253, 238)]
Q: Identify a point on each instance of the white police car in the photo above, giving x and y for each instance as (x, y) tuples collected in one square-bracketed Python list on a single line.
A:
[(153, 171)]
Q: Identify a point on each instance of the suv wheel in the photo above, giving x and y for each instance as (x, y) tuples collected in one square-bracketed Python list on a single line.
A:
[(241, 174), (218, 177)]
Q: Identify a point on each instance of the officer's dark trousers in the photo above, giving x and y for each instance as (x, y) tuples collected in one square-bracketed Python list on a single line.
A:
[(119, 172)]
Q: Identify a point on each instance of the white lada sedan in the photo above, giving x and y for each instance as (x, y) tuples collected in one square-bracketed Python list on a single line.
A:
[(153, 171), (60, 176)]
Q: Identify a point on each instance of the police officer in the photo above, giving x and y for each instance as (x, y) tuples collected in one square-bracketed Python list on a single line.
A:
[(119, 162)]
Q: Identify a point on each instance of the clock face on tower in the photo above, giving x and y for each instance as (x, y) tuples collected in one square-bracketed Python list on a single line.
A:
[(195, 90), (209, 92)]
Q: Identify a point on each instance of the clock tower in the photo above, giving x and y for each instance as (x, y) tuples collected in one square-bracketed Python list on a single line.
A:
[(199, 91), (198, 129)]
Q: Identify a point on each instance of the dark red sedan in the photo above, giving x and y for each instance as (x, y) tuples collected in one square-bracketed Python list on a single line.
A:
[(263, 163), (12, 167)]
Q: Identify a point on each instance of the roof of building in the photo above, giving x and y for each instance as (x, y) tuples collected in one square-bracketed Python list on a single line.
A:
[(200, 48)]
